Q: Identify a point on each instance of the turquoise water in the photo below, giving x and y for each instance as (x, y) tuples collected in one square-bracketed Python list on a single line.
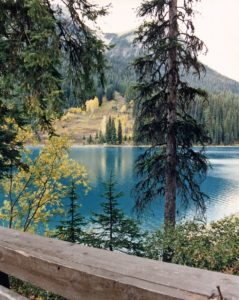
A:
[(221, 185)]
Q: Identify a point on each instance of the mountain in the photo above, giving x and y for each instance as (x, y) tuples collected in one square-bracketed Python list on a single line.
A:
[(220, 114), (123, 53)]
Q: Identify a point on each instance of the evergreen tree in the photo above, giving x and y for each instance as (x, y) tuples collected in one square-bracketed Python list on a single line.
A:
[(113, 133), (101, 138), (90, 140), (108, 131), (9, 146), (97, 136), (42, 47), (120, 133), (41, 44), (39, 54), (112, 230), (170, 50), (70, 230)]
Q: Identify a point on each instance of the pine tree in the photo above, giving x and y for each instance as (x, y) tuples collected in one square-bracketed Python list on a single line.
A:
[(90, 140), (108, 131), (112, 230), (171, 166), (113, 133), (101, 138), (39, 54), (9, 146), (71, 229), (120, 133), (97, 136)]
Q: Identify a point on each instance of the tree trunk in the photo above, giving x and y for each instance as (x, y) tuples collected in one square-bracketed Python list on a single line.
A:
[(171, 153), (171, 147)]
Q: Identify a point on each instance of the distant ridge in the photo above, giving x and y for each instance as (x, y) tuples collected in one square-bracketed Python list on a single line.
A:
[(122, 55)]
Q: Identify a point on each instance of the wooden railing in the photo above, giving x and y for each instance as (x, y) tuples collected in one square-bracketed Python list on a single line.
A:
[(78, 272)]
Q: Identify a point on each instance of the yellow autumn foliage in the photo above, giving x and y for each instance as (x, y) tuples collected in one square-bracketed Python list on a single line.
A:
[(71, 113), (92, 105), (34, 195), (123, 109), (75, 110)]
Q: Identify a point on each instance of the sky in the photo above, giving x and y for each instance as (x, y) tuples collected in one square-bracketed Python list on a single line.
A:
[(217, 24)]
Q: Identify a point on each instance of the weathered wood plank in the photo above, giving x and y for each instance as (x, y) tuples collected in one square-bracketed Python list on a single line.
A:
[(6, 294), (78, 272)]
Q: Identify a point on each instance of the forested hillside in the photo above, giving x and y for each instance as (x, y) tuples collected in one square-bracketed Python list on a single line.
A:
[(220, 113), (121, 74)]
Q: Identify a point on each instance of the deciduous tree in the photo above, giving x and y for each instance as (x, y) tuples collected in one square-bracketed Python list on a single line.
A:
[(34, 196), (44, 46)]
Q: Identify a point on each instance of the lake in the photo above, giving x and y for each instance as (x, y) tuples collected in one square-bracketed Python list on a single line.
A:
[(221, 185)]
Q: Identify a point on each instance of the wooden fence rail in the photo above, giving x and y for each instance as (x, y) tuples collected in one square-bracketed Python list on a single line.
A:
[(78, 272)]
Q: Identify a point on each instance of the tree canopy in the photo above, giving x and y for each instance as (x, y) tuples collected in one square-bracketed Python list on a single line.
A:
[(43, 47), (169, 51)]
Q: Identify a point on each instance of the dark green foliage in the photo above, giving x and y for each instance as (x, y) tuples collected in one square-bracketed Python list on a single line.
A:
[(9, 147), (122, 74), (29, 63), (221, 117), (120, 133), (213, 247), (154, 123), (112, 230), (101, 138), (70, 230), (110, 133), (223, 99), (113, 133), (90, 140), (43, 47)]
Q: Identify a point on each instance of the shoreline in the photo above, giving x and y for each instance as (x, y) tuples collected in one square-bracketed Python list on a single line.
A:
[(126, 146)]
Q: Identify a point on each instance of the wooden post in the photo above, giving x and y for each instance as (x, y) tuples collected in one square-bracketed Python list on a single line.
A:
[(83, 273)]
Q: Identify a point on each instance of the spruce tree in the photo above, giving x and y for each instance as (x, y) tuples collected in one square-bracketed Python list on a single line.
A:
[(71, 229), (108, 131), (120, 133), (171, 166), (113, 133), (43, 46), (101, 138), (90, 140), (112, 230)]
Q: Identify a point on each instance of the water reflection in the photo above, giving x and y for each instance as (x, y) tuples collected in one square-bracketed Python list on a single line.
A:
[(222, 183)]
